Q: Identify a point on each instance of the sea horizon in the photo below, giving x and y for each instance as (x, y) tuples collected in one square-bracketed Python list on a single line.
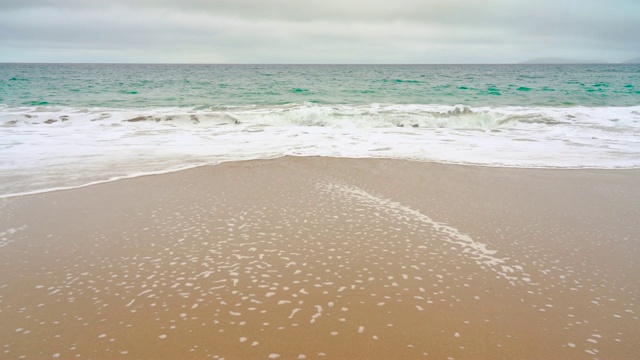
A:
[(524, 62)]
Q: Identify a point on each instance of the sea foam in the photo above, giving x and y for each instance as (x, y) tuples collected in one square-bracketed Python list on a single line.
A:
[(44, 148)]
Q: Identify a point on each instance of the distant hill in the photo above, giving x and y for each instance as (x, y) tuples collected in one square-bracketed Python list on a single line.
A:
[(632, 61), (562, 61)]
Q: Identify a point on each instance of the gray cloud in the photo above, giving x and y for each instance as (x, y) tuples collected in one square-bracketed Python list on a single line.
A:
[(355, 31)]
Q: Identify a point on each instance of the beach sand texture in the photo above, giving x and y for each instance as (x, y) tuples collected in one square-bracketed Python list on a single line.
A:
[(300, 258)]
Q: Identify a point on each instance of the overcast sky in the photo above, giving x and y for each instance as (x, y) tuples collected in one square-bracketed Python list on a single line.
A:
[(310, 31)]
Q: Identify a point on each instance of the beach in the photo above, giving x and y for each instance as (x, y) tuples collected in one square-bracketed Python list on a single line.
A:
[(320, 257)]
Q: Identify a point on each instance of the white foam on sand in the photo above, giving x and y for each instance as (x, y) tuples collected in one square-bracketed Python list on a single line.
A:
[(477, 251), (5, 236)]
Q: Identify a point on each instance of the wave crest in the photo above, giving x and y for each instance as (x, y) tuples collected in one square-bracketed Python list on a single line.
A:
[(335, 116)]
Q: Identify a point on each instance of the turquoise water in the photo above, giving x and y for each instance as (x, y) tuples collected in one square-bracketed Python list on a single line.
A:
[(70, 125), (203, 86)]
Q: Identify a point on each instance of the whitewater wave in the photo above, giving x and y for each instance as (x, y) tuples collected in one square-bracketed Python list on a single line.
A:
[(56, 147), (336, 116)]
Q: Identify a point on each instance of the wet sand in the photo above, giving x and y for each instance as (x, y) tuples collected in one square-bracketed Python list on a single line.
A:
[(326, 258)]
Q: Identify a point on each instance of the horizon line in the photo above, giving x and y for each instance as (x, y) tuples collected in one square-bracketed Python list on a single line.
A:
[(298, 64)]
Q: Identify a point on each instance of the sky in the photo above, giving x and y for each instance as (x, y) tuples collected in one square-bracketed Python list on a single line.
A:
[(310, 31)]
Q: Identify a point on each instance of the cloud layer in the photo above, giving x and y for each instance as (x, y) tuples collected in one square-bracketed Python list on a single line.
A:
[(330, 31)]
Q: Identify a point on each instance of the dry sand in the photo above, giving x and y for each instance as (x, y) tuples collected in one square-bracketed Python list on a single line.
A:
[(312, 257)]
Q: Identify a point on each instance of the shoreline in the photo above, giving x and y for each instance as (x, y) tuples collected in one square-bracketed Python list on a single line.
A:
[(187, 168), (335, 257)]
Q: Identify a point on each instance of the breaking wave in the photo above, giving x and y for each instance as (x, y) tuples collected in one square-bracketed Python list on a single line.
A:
[(58, 147), (337, 116)]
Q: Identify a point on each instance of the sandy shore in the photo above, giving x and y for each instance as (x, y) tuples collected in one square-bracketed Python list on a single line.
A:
[(341, 258)]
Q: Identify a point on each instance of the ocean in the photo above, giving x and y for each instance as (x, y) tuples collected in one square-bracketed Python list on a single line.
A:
[(70, 125)]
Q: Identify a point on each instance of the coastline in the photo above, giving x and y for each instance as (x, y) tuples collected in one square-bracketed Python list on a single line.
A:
[(350, 258), (218, 162)]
